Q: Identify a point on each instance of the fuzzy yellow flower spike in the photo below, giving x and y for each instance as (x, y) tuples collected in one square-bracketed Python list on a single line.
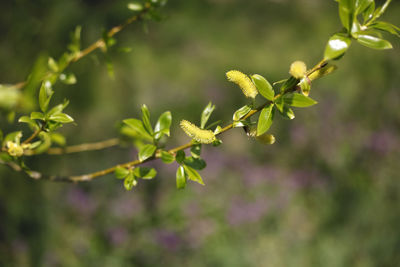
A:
[(244, 82), (298, 69), (200, 135)]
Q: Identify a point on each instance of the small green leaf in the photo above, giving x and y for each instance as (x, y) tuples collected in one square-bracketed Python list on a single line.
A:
[(68, 78), (180, 156), (369, 11), (144, 172), (195, 163), (52, 64), (337, 46), (362, 5), (121, 173), (180, 178), (61, 117), (58, 109), (58, 138), (287, 112), (279, 103), (163, 125), (240, 113), (37, 116), (195, 150), (289, 83), (298, 100), (138, 127), (374, 42), (135, 6), (205, 115), (167, 158), (265, 119), (263, 86), (193, 174), (29, 121), (45, 94), (346, 12), (305, 86), (387, 27), (146, 119), (130, 181), (217, 142), (147, 151)]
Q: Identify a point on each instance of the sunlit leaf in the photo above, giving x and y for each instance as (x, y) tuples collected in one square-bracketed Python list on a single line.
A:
[(265, 119), (193, 175), (298, 100), (180, 178), (147, 151), (374, 42), (205, 115), (337, 46), (263, 86)]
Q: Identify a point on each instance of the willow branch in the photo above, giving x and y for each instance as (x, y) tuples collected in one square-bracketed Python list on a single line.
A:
[(98, 44)]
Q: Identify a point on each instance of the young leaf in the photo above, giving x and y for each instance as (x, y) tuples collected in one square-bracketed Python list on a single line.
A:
[(346, 12), (368, 12), (45, 94), (240, 113), (58, 138), (289, 83), (298, 100), (265, 119), (146, 119), (163, 124), (195, 150), (195, 163), (147, 151), (180, 178), (135, 6), (193, 174), (138, 127), (121, 173), (130, 181), (263, 86), (362, 5), (29, 121), (387, 27), (287, 112), (144, 172), (180, 156), (61, 117), (68, 78), (37, 116), (337, 46), (305, 85), (374, 42), (167, 158), (205, 115), (52, 64)]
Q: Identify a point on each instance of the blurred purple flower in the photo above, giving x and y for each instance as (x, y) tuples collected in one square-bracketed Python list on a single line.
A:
[(117, 236), (382, 142), (80, 201), (167, 239), (241, 212)]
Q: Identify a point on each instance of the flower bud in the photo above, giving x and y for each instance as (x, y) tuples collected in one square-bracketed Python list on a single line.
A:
[(298, 69), (14, 149), (244, 82)]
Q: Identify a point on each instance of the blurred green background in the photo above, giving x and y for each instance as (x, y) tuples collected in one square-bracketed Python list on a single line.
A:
[(325, 194)]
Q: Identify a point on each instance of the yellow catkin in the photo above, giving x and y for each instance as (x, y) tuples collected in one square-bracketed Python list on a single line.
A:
[(14, 149), (298, 69), (201, 136), (244, 82)]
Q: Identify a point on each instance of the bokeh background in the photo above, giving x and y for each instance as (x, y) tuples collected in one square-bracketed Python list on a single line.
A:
[(325, 194)]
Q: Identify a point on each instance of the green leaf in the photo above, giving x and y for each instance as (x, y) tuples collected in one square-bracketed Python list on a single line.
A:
[(68, 78), (45, 94), (61, 117), (144, 172), (146, 152), (180, 178), (387, 27), (289, 83), (163, 125), (193, 174), (37, 116), (346, 12), (195, 150), (75, 44), (146, 119), (45, 143), (205, 115), (1, 135), (195, 163), (305, 85), (130, 181), (180, 156), (265, 119), (135, 6), (279, 103), (368, 12), (9, 97), (138, 127), (240, 113), (263, 86), (362, 5), (52, 64), (298, 100), (167, 158), (217, 142), (374, 42), (29, 121), (58, 138), (121, 173), (337, 46), (58, 109), (287, 112)]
